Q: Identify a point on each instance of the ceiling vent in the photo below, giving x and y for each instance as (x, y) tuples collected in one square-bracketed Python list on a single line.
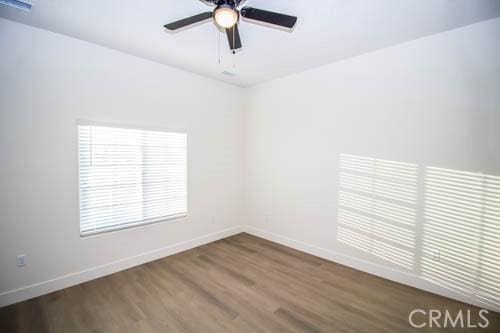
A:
[(22, 5), (228, 73)]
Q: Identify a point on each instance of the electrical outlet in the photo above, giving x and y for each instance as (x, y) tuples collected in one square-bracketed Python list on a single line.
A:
[(21, 260)]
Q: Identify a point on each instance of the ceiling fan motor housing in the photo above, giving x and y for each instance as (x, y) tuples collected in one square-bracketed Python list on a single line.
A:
[(232, 3)]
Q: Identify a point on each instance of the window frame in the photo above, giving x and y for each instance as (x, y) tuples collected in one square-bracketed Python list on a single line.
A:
[(145, 222)]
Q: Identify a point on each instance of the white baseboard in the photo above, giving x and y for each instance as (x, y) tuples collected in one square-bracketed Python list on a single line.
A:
[(58, 283), (369, 267), (45, 287)]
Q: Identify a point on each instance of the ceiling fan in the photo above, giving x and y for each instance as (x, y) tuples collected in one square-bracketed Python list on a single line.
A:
[(226, 16)]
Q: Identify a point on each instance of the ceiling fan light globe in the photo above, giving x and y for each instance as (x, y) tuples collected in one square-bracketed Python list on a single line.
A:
[(226, 17)]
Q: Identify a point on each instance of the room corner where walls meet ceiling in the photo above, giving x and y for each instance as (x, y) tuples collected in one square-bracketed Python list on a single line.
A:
[(334, 31)]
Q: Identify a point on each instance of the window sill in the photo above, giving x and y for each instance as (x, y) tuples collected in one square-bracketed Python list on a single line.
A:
[(134, 225)]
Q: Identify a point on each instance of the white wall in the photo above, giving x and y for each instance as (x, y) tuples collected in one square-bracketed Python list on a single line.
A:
[(48, 82), (432, 102)]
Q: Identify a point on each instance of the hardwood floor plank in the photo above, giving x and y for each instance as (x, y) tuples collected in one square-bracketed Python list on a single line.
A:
[(230, 272)]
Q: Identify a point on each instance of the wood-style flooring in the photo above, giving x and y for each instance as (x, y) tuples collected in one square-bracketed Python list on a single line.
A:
[(239, 284)]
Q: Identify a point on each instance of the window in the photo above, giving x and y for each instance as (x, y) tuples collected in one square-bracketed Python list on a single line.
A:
[(130, 177)]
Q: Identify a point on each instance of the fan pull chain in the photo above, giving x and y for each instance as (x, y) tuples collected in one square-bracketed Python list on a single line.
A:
[(218, 33), (234, 60), (234, 46), (234, 39)]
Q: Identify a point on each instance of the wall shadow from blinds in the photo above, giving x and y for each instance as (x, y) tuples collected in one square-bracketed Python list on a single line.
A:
[(456, 243), (377, 208), (130, 177), (462, 224)]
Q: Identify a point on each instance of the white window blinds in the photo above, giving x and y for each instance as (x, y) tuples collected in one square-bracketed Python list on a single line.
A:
[(130, 177)]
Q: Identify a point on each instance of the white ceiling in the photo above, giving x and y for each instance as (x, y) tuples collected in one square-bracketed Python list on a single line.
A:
[(327, 31)]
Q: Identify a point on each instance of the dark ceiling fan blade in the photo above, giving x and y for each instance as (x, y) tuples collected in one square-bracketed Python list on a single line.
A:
[(233, 37), (268, 17), (196, 19)]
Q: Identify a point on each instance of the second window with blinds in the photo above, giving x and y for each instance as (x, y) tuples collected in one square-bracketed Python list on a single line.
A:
[(130, 177)]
